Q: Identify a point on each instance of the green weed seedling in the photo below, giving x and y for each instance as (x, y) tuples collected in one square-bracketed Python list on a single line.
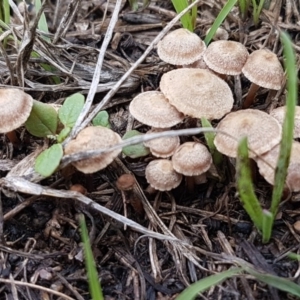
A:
[(44, 122), (134, 151)]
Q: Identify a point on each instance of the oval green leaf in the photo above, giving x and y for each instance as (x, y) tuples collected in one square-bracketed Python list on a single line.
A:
[(134, 151), (102, 119), (42, 120), (48, 161), (71, 109)]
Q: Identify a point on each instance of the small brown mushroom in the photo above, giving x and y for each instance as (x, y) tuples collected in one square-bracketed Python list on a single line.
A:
[(94, 138), (267, 164), (15, 108), (197, 93), (126, 183), (226, 57), (279, 114), (262, 130), (161, 175), (263, 69), (180, 47), (191, 159), (162, 147), (153, 109)]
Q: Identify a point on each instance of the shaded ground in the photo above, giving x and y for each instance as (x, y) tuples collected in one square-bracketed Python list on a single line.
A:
[(40, 241)]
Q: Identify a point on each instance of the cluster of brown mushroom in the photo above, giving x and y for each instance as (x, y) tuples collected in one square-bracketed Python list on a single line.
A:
[(190, 91)]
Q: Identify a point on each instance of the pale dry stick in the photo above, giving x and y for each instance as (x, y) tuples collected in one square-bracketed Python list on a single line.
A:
[(16, 11), (80, 124), (73, 14), (67, 159), (66, 16), (96, 78), (18, 184), (38, 287)]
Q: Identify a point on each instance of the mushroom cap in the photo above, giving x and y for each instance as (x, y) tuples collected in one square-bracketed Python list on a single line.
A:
[(221, 34), (15, 108), (153, 109), (180, 47), (226, 57), (191, 159), (161, 175), (267, 164), (162, 147), (264, 69), (262, 130), (125, 182), (279, 113), (94, 138), (197, 93)]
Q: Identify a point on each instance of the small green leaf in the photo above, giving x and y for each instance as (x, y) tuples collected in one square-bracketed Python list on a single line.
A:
[(42, 120), (63, 134), (71, 109), (102, 119), (48, 161), (134, 151)]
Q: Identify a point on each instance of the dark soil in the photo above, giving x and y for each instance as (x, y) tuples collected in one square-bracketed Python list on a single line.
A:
[(40, 245)]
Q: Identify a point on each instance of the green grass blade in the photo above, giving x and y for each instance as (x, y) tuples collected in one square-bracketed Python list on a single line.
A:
[(186, 20), (94, 285), (42, 25), (245, 186), (257, 11), (244, 7), (219, 20), (267, 226), (6, 11), (200, 286), (280, 283), (209, 138), (288, 124)]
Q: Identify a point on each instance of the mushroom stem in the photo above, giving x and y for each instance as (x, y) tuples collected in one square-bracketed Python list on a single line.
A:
[(251, 95), (190, 183), (13, 137), (126, 184)]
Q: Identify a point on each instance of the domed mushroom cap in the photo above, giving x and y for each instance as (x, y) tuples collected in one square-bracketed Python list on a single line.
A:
[(262, 130), (264, 69), (279, 113), (153, 109), (191, 159), (226, 57), (94, 138), (180, 47), (162, 147), (267, 164), (15, 108), (221, 34), (161, 175), (197, 93)]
